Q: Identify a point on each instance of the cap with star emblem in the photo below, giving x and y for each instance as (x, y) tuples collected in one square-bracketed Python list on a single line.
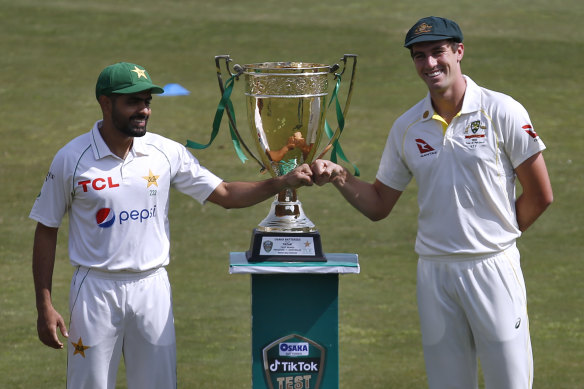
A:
[(124, 78), (433, 28)]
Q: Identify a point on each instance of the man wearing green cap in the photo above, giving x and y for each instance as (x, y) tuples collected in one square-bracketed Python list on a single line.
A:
[(114, 183), (465, 146)]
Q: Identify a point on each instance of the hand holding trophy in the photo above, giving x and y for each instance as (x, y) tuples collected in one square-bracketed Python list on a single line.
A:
[(286, 108)]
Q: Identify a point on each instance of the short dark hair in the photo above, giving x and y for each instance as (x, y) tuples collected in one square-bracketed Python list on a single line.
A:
[(451, 42)]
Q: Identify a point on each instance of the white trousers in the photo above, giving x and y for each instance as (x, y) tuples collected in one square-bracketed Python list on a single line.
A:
[(475, 309), (115, 314)]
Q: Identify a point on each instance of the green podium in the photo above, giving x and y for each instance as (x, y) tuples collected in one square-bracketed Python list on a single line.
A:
[(295, 320)]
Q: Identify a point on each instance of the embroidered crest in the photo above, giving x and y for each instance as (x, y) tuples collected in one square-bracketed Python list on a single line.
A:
[(475, 126), (80, 347), (475, 134), (423, 29)]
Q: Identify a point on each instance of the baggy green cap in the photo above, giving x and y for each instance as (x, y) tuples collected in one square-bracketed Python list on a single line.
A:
[(433, 28), (124, 78)]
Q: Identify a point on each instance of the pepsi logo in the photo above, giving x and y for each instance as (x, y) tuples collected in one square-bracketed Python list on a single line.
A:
[(105, 217)]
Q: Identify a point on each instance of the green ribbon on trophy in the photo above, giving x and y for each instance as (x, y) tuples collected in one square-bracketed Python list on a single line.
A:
[(337, 149), (224, 102)]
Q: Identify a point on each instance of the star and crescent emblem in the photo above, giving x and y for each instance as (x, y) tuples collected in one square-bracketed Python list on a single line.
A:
[(151, 178), (140, 72), (79, 348)]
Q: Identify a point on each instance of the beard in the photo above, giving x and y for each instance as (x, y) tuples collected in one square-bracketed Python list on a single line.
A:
[(134, 126)]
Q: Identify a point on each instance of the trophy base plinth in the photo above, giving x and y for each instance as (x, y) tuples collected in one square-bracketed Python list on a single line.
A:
[(285, 247)]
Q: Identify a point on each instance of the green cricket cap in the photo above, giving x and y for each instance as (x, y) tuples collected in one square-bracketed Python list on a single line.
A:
[(124, 78), (433, 28)]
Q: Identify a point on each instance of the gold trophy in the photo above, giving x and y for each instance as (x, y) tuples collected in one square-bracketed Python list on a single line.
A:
[(286, 108)]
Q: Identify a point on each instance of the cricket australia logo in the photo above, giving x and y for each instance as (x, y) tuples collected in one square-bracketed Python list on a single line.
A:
[(294, 362), (475, 126), (475, 134)]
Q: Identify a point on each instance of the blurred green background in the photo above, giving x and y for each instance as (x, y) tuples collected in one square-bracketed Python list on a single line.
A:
[(52, 51)]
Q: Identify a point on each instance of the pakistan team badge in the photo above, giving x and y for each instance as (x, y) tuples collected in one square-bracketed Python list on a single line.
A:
[(294, 362)]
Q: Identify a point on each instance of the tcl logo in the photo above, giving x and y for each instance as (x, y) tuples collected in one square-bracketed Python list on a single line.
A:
[(98, 184)]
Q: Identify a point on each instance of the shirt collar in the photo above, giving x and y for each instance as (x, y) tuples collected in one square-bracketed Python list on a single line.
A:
[(470, 103), (472, 97), (139, 146), (101, 149)]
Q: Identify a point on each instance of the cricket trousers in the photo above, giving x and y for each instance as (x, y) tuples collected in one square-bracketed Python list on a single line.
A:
[(121, 313), (475, 309)]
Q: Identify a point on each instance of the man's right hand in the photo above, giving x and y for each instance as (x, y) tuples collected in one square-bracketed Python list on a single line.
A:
[(324, 171), (47, 323)]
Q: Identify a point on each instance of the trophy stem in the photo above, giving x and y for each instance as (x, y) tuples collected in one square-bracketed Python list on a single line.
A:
[(286, 215)]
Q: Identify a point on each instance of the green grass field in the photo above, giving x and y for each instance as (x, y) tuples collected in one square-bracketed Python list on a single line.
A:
[(52, 52)]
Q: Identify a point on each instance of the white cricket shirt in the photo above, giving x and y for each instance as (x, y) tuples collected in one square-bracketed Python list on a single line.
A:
[(465, 174), (118, 209)]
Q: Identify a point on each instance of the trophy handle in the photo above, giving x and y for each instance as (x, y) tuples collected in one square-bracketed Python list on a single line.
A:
[(334, 68), (231, 115)]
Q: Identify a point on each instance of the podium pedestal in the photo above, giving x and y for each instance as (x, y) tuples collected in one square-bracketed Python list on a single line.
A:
[(295, 329)]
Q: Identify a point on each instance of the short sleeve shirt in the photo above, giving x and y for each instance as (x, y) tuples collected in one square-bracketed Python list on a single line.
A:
[(118, 208), (465, 174)]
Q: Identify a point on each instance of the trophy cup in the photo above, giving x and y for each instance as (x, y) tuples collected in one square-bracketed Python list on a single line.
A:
[(286, 107)]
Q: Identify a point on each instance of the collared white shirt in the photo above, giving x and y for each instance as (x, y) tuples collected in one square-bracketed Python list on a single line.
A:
[(118, 208), (464, 171)]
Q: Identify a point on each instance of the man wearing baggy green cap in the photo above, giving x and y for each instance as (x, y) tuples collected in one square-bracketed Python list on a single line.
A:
[(465, 146), (114, 183)]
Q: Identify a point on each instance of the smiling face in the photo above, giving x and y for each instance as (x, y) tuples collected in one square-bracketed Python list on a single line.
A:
[(130, 113), (438, 64)]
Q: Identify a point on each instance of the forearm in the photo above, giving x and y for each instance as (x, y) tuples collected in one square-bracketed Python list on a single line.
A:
[(529, 209), (537, 192), (242, 194), (375, 201), (361, 195), (43, 262), (245, 194)]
